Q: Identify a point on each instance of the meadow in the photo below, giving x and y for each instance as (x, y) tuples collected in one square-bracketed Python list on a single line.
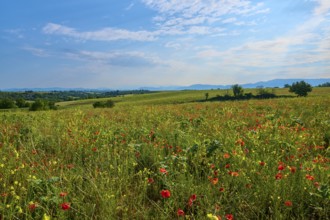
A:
[(168, 156)]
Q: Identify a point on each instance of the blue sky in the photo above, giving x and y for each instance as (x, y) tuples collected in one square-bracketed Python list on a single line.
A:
[(132, 43)]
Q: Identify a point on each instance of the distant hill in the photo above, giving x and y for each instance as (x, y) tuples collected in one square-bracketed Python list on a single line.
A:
[(266, 84)]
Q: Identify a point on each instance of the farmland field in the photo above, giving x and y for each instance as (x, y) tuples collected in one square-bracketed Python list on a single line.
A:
[(168, 156)]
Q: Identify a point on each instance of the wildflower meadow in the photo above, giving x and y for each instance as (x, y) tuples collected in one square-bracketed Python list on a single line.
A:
[(250, 159)]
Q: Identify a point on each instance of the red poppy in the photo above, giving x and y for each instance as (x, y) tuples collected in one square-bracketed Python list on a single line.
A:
[(150, 180), (163, 170), (280, 167), (309, 177), (165, 193), (229, 217), (279, 176), (288, 203), (226, 155), (214, 181), (222, 189), (63, 194), (32, 206), (180, 212), (233, 173), (293, 169), (240, 142), (227, 166), (65, 206), (317, 184), (192, 199)]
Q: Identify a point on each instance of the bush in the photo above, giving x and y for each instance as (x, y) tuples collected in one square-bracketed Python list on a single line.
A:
[(265, 94), (21, 103), (237, 90), (105, 104), (7, 104), (40, 105), (300, 88)]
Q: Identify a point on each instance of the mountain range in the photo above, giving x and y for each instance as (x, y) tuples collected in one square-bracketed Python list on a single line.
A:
[(265, 84)]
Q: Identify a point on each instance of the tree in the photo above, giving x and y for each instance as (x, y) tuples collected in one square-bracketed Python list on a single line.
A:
[(237, 90), (21, 103), (300, 88), (7, 104), (327, 84), (40, 105), (206, 96)]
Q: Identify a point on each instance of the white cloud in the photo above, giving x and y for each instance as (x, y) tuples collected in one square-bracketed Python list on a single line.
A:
[(180, 15), (105, 34), (323, 7), (174, 17), (130, 59), (229, 20), (307, 44)]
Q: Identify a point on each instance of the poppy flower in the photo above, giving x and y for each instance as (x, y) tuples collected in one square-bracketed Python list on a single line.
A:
[(293, 169), (229, 217), (214, 181), (165, 193), (163, 170), (233, 173), (63, 194), (279, 176), (262, 163), (280, 167), (65, 206), (151, 180), (180, 212), (317, 184), (32, 206), (288, 203), (309, 177), (192, 199), (222, 189), (226, 155)]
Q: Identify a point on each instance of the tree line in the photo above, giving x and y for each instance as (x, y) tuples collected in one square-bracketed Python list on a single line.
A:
[(32, 106), (299, 88), (60, 96)]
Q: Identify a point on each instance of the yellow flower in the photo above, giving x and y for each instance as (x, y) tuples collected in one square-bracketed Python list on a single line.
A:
[(46, 217), (211, 216)]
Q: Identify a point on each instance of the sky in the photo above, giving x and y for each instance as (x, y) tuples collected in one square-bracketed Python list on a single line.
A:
[(128, 44)]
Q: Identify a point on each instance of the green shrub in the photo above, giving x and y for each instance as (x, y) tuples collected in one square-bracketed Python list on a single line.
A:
[(105, 104)]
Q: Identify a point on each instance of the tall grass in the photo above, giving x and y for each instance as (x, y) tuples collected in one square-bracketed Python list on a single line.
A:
[(257, 159)]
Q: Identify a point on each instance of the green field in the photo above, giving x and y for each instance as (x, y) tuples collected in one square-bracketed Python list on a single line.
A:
[(180, 97), (169, 155)]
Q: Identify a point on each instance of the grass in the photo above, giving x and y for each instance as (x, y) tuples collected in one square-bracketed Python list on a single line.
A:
[(180, 97), (254, 159)]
